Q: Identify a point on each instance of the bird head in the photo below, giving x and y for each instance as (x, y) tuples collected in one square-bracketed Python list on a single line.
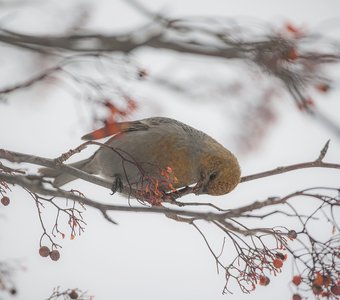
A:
[(219, 174)]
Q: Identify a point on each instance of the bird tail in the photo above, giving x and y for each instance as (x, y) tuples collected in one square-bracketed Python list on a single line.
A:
[(60, 177)]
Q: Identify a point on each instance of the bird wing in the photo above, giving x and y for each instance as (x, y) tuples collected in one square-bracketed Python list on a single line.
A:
[(114, 128)]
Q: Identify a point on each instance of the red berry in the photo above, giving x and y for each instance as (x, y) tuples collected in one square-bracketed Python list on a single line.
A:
[(293, 54), (73, 294), (318, 279), (264, 280), (55, 255), (335, 289), (296, 297), (296, 279), (323, 87), (44, 251), (292, 28), (5, 201), (277, 263)]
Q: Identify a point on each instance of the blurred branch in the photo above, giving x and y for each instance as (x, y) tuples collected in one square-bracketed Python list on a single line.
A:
[(7, 271), (154, 38), (69, 294), (58, 164), (31, 81), (286, 55)]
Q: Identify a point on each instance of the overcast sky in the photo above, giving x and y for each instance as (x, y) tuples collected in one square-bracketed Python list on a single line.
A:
[(146, 256)]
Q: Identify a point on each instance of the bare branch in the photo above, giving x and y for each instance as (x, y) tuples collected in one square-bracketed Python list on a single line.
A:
[(286, 58), (56, 164), (318, 163), (58, 294), (254, 256), (281, 170), (323, 151), (50, 163), (35, 186), (31, 81)]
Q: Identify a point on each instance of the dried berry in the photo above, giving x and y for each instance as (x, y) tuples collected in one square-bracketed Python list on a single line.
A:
[(327, 280), (55, 255), (5, 200), (335, 289), (73, 294), (292, 234), (44, 251), (317, 289), (280, 256), (142, 74), (13, 291), (296, 279)]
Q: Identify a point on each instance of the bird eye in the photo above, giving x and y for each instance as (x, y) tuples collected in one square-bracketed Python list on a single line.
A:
[(213, 176)]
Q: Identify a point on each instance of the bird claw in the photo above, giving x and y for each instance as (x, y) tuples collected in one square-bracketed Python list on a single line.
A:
[(117, 185)]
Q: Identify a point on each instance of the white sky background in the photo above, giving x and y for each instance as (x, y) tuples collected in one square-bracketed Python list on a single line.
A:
[(147, 256)]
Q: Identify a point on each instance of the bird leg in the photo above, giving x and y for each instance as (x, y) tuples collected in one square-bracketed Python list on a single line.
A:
[(117, 184)]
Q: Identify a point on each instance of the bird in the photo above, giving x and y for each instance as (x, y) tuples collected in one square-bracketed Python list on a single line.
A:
[(158, 153)]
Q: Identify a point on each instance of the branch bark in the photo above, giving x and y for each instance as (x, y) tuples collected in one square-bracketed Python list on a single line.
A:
[(285, 169), (35, 184), (17, 157), (56, 164)]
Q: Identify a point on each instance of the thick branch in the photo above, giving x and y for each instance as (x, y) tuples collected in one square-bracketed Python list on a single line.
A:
[(17, 157), (21, 157), (117, 43), (35, 185)]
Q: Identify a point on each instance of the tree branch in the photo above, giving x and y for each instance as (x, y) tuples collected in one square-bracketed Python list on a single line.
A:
[(318, 163), (274, 52), (254, 257), (17, 157), (57, 164), (281, 170)]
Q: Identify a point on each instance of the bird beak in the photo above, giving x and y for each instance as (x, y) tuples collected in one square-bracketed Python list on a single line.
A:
[(200, 188)]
